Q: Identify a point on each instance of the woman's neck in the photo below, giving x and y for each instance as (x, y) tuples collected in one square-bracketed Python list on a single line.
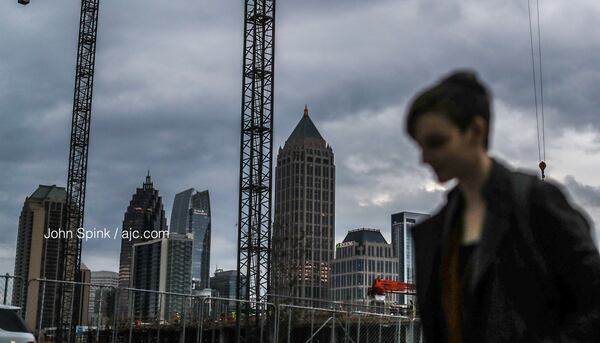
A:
[(471, 183)]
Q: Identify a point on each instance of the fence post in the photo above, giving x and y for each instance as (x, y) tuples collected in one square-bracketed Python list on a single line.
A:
[(21, 296), (183, 315), (158, 315), (41, 310), (312, 323), (115, 321), (6, 287), (213, 328), (199, 329), (98, 320), (380, 328), (289, 324), (130, 315), (277, 321), (276, 325), (262, 319), (332, 340), (358, 331), (347, 333)]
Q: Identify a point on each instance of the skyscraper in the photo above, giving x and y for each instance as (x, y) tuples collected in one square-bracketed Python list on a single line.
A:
[(144, 214), (402, 224), (359, 259), (161, 265), (102, 301), (224, 284), (304, 225), (36, 256), (191, 214)]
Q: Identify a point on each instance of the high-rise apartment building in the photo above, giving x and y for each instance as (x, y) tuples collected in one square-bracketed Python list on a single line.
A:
[(161, 265), (191, 214), (304, 223), (144, 218), (38, 257), (363, 256), (402, 224)]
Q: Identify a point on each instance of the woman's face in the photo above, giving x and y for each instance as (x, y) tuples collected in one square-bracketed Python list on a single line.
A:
[(443, 146)]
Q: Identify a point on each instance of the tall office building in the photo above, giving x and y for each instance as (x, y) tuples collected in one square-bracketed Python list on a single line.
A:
[(161, 265), (102, 299), (363, 256), (402, 242), (191, 214), (304, 224), (144, 215), (36, 256), (224, 285)]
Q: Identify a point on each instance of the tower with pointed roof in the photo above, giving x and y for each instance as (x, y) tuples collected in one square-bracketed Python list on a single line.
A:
[(304, 223), (144, 213)]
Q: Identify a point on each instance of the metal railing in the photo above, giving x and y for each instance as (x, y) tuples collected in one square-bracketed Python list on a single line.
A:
[(159, 316)]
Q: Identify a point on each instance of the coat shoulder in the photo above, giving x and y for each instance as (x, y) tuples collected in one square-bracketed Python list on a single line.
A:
[(430, 227)]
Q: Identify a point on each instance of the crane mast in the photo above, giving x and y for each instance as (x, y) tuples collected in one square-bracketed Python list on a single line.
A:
[(256, 145), (78, 158)]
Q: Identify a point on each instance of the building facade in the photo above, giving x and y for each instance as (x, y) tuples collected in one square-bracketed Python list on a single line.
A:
[(224, 285), (38, 257), (304, 222), (363, 256), (402, 224), (82, 292), (191, 214), (102, 299), (143, 221), (161, 265)]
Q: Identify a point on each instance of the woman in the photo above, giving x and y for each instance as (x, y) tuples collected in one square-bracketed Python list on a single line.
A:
[(507, 259)]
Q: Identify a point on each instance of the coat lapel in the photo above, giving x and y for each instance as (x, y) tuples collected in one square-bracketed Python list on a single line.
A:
[(496, 224)]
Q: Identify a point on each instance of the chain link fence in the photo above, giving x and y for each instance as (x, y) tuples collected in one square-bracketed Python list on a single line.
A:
[(11, 290), (156, 316)]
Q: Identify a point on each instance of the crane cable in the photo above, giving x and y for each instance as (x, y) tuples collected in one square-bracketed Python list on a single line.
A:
[(542, 145)]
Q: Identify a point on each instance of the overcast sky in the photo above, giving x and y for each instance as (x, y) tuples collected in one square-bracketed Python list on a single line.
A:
[(168, 89)]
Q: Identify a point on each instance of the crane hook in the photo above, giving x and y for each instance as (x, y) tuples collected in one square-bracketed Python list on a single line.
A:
[(542, 166)]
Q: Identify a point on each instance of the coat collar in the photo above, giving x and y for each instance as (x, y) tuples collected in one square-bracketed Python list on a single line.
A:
[(496, 192)]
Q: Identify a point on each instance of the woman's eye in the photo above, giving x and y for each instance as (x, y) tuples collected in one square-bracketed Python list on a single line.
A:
[(435, 142)]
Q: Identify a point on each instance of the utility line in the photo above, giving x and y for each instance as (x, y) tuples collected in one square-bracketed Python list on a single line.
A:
[(541, 80), (537, 121)]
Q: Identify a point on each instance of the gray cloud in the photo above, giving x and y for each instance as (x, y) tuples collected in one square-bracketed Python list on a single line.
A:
[(588, 195)]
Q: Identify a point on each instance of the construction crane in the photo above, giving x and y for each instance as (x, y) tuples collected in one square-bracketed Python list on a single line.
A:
[(70, 249), (256, 156)]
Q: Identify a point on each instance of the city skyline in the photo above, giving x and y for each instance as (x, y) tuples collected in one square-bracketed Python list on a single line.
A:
[(173, 106)]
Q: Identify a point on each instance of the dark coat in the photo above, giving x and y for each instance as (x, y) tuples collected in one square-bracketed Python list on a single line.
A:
[(533, 279)]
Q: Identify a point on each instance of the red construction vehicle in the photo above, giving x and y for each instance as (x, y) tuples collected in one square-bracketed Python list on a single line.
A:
[(380, 287), (377, 292)]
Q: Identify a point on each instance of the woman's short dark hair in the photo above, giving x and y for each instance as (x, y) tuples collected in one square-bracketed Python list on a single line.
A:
[(459, 96)]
